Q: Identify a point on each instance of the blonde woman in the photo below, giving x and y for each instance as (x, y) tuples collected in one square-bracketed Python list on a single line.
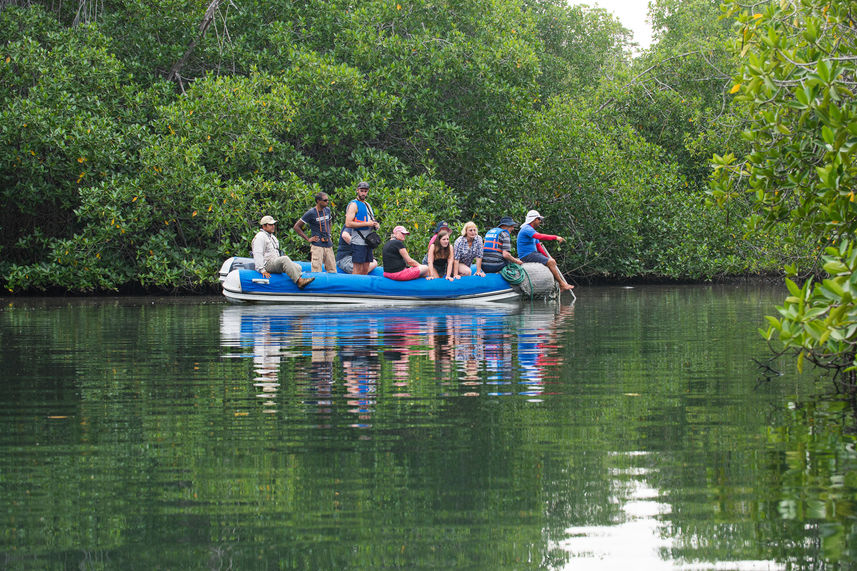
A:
[(468, 250)]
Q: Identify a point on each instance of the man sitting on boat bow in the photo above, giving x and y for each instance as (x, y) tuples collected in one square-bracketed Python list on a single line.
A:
[(268, 258)]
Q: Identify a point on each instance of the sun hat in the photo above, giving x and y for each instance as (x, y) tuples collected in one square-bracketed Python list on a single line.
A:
[(400, 229), (532, 215), (363, 184), (507, 221), (267, 220)]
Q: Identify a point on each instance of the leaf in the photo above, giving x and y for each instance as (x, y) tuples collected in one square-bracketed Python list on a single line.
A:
[(835, 267)]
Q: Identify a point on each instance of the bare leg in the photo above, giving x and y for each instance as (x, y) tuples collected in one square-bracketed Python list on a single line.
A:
[(563, 285)]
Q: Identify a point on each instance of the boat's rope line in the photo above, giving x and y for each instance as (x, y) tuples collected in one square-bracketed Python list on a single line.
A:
[(514, 274)]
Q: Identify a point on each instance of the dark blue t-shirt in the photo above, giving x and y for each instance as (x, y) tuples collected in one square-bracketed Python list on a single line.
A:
[(319, 225)]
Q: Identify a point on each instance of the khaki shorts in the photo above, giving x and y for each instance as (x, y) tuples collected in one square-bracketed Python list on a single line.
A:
[(322, 257)]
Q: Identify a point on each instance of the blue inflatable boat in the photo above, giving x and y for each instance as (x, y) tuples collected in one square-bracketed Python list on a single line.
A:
[(243, 284)]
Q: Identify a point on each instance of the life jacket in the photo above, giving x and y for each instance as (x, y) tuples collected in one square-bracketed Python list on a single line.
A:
[(362, 214), (492, 239)]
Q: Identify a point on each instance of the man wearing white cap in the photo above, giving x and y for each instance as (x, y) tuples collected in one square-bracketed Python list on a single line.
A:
[(531, 250), (268, 258), (398, 265)]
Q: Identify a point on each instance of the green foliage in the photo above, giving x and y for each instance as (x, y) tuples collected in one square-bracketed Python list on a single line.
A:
[(674, 92), (192, 202), (624, 209), (796, 84), (66, 122), (113, 176), (579, 46)]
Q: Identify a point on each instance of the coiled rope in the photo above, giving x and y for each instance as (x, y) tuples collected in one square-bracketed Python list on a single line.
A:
[(515, 274)]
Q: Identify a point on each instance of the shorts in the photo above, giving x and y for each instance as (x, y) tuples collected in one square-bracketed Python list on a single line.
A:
[(405, 275), (361, 254), (535, 258), (345, 264), (492, 267)]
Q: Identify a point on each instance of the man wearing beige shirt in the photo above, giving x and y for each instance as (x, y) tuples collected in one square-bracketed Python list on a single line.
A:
[(268, 258)]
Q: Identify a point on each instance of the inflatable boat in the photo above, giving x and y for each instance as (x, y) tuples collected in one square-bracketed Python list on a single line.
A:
[(243, 284)]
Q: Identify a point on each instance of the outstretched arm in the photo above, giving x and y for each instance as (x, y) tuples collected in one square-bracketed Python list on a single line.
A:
[(548, 237), (507, 255)]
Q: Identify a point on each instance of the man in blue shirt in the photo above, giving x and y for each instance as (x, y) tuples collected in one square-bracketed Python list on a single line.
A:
[(531, 250), (321, 246)]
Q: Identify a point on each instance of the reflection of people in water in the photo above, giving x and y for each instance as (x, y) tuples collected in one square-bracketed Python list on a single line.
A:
[(321, 370), (266, 364), (404, 334), (469, 347), (537, 347), (361, 370), (438, 337)]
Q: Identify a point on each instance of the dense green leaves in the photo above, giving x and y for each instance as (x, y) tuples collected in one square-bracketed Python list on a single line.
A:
[(141, 141), (796, 87)]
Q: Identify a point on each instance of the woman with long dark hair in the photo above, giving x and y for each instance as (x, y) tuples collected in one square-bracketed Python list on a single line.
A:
[(440, 257)]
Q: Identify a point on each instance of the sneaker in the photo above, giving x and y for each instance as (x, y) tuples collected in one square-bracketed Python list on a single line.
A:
[(302, 282)]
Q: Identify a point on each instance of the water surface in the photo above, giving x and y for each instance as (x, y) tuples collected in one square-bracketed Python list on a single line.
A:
[(630, 430)]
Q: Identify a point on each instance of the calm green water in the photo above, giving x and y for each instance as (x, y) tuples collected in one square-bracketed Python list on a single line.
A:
[(629, 431)]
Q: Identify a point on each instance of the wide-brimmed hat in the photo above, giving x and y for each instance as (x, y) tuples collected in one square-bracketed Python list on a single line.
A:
[(507, 221), (401, 229), (267, 220), (440, 226), (532, 215)]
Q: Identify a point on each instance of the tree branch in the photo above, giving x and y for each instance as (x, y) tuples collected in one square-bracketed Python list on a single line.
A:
[(175, 72)]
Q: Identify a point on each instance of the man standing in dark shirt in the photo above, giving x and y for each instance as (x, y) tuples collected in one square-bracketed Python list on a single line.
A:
[(321, 246)]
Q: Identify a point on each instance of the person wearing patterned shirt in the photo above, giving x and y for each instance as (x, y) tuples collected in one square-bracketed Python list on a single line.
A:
[(468, 250)]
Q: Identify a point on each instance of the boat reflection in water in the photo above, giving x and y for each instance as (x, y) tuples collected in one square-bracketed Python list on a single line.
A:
[(323, 356)]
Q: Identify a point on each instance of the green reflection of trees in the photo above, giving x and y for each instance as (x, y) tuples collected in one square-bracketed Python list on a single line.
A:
[(166, 458)]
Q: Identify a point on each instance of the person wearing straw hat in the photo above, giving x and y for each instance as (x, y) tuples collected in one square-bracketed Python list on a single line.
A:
[(269, 259), (531, 250), (498, 246), (398, 265)]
